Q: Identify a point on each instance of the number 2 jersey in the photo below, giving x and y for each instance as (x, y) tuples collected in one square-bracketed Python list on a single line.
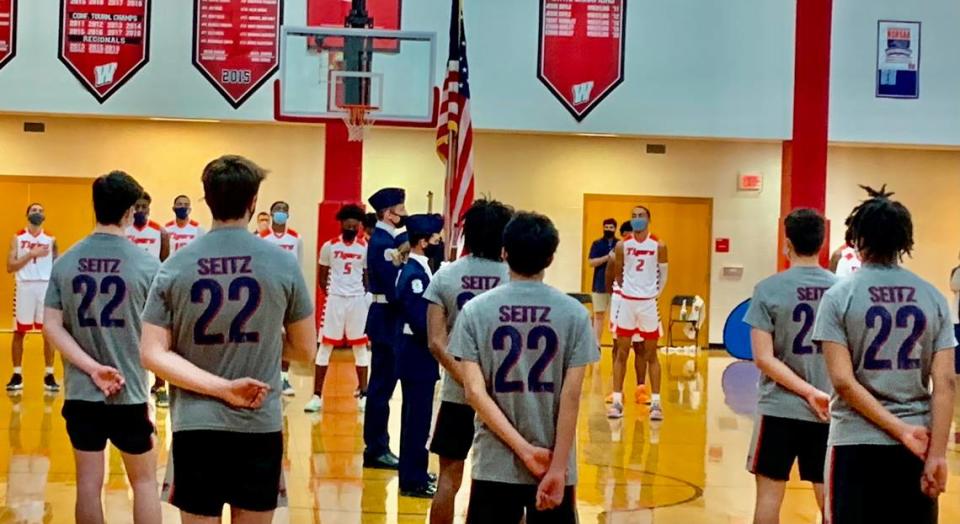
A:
[(101, 284), (524, 336), (892, 322), (226, 297), (786, 305)]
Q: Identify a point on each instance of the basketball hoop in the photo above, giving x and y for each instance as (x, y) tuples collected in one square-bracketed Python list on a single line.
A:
[(357, 119)]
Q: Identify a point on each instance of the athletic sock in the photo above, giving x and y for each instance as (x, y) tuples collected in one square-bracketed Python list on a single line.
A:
[(655, 398), (617, 398), (17, 370), (49, 370), (284, 376)]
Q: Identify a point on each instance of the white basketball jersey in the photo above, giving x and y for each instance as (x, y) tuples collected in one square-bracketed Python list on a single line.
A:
[(147, 237), (849, 261), (37, 270), (641, 268), (289, 240), (346, 263), (181, 236)]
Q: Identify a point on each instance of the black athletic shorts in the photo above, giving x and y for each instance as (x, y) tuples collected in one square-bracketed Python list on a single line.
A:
[(495, 502), (213, 468), (91, 424), (779, 441), (871, 484), (453, 432)]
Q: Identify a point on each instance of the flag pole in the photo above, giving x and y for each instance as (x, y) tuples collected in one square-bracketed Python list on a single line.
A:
[(453, 162)]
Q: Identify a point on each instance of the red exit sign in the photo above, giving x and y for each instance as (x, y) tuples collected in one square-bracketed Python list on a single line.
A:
[(750, 182), (722, 245)]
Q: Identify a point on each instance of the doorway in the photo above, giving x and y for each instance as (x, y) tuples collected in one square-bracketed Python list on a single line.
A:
[(684, 224), (68, 204)]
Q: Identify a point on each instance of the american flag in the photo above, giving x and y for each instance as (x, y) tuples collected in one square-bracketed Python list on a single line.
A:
[(455, 116)]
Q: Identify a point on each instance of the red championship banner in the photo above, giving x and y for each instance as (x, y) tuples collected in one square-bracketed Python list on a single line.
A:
[(581, 51), (236, 44), (104, 42), (8, 30)]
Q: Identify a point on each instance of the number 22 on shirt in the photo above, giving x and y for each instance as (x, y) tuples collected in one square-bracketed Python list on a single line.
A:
[(508, 339), (209, 289)]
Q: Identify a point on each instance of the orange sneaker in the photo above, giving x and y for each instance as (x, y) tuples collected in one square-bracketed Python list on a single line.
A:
[(642, 395)]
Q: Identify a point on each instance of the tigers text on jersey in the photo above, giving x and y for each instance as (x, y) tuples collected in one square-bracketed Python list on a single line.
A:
[(346, 262), (524, 336), (641, 268), (147, 238), (892, 322), (38, 269), (101, 285), (849, 261), (288, 241), (786, 305), (181, 236), (452, 287)]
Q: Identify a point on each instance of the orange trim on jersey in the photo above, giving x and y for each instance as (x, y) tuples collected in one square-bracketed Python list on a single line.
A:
[(358, 342), (26, 328), (265, 234), (293, 233), (327, 341), (27, 232), (339, 239), (624, 333)]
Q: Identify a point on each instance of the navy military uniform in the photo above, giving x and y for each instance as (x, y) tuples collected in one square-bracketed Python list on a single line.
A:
[(382, 331), (417, 369)]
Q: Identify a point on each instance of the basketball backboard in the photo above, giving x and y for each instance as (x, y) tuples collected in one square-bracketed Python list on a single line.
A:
[(326, 72)]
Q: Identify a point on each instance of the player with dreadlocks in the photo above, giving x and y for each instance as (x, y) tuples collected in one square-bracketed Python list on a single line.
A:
[(885, 334)]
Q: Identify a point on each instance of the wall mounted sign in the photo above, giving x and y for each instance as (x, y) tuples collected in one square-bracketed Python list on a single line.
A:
[(104, 44), (236, 44), (8, 31), (898, 59), (581, 52)]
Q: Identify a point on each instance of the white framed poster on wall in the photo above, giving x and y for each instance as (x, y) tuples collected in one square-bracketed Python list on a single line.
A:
[(898, 59)]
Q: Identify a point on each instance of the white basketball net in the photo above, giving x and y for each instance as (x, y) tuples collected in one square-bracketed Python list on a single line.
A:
[(357, 120)]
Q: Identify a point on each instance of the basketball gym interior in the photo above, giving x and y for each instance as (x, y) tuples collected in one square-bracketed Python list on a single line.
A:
[(719, 117)]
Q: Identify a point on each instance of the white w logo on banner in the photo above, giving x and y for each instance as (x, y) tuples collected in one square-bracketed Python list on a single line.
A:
[(582, 92), (104, 73)]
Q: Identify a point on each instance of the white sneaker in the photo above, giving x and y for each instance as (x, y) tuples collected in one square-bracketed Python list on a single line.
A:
[(615, 410), (315, 405), (287, 389), (655, 412), (362, 403)]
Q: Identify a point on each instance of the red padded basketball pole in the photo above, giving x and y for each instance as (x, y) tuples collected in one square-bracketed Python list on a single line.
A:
[(342, 176), (804, 182), (343, 166)]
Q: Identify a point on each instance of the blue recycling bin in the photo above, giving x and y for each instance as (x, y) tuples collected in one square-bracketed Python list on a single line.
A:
[(736, 333)]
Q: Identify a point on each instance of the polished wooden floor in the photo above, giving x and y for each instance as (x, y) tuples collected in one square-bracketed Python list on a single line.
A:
[(687, 469)]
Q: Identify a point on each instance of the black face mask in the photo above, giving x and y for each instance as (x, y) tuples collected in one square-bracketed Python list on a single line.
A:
[(434, 252), (607, 235), (349, 235), (402, 222)]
